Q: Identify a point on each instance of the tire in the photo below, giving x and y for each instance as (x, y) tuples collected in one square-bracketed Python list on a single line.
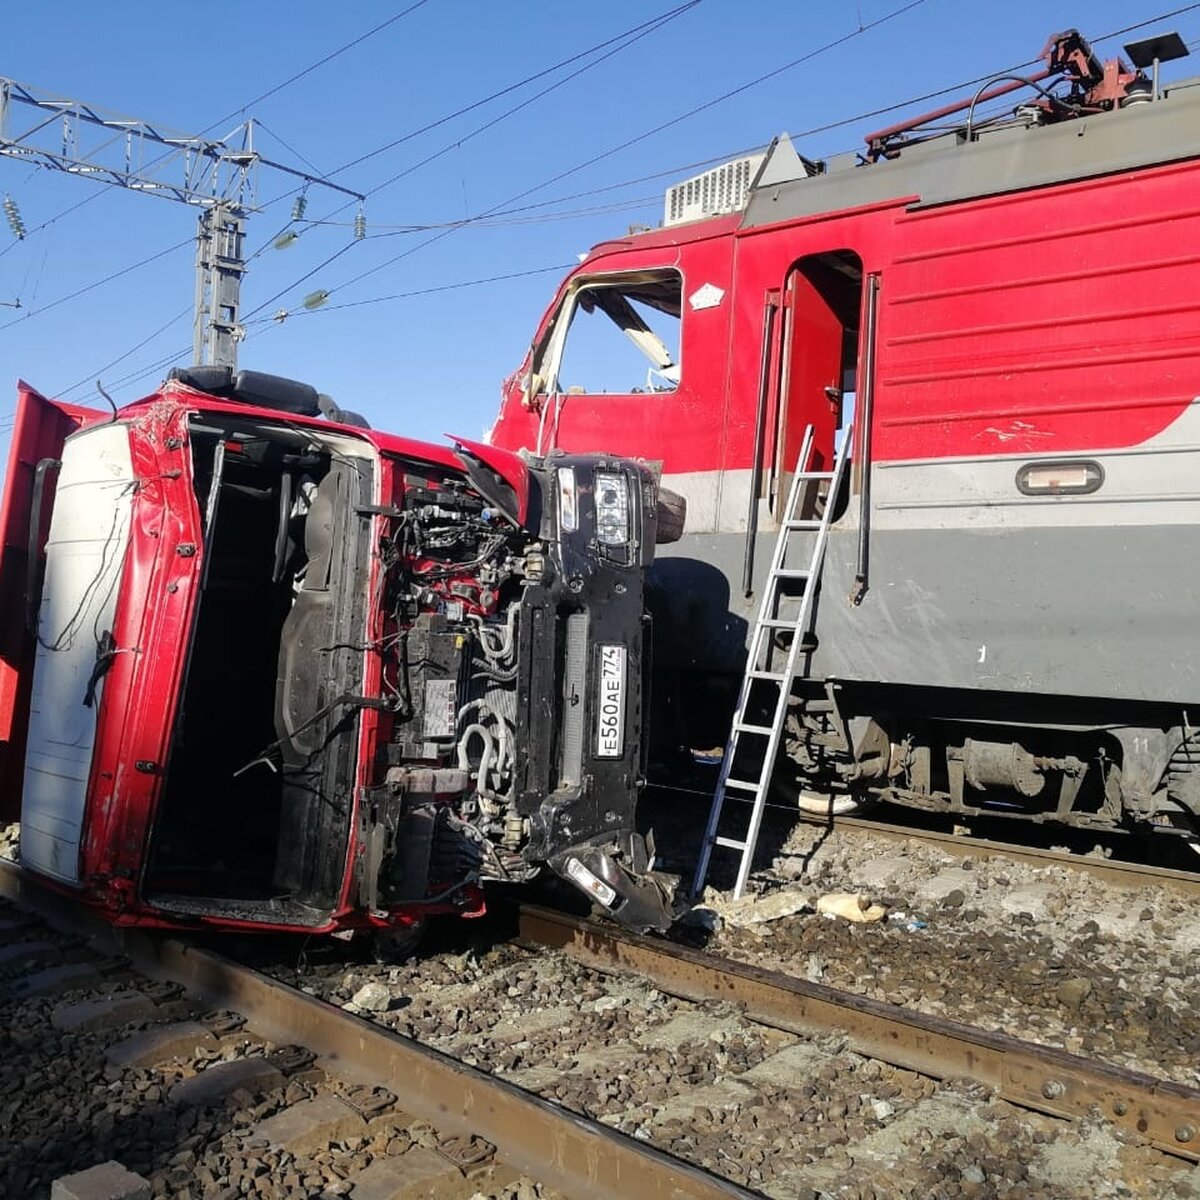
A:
[(672, 515)]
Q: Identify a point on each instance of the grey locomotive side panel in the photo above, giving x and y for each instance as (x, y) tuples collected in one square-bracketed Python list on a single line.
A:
[(1058, 611)]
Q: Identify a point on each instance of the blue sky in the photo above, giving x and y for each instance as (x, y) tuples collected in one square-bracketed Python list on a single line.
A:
[(426, 364)]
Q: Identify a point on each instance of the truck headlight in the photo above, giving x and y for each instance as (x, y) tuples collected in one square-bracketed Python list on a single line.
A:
[(612, 508), (590, 883), (568, 512)]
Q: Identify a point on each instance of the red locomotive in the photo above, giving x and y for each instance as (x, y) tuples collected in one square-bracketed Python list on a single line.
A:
[(1007, 610)]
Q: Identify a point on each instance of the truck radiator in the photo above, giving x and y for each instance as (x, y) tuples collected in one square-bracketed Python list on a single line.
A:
[(574, 713)]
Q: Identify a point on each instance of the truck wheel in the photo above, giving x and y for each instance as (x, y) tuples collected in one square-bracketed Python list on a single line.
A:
[(672, 513)]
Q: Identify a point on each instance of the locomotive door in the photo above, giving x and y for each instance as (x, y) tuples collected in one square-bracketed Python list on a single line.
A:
[(820, 335)]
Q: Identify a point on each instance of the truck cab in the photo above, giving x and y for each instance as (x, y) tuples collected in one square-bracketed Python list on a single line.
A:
[(265, 668)]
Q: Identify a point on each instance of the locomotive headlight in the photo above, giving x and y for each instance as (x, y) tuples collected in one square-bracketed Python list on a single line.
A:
[(612, 508), (568, 510)]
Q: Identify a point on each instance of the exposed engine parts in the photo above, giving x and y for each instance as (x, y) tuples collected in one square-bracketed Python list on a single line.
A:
[(453, 574), (510, 653)]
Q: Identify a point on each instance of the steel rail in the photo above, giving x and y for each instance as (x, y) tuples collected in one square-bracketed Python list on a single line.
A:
[(1042, 1078), (1117, 872), (571, 1153)]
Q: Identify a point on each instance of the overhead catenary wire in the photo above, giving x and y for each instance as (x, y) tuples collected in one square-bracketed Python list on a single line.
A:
[(324, 61), (219, 121), (605, 189), (265, 323), (508, 89), (291, 79), (610, 47), (661, 127), (626, 37), (466, 222), (677, 171), (426, 291), (108, 366), (96, 283)]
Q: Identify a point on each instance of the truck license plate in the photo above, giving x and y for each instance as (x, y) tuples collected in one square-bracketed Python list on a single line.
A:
[(610, 703)]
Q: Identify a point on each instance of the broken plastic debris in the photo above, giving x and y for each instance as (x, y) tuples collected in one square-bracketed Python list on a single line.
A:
[(911, 923), (755, 910), (852, 906)]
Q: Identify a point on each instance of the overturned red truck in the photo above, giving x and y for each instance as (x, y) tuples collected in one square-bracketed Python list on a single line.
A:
[(1004, 303), (266, 668)]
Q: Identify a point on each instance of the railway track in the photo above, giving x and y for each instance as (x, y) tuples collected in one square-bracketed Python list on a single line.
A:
[(834, 1048), (1118, 872), (1026, 1074), (437, 1127)]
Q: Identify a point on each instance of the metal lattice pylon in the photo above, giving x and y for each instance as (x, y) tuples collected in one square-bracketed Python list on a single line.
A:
[(760, 665)]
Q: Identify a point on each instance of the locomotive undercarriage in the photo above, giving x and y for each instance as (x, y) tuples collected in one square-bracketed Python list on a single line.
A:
[(1113, 768)]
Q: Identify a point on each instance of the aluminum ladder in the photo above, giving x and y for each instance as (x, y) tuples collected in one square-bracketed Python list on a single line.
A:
[(759, 660)]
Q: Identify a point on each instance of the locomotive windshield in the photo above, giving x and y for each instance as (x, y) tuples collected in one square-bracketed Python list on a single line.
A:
[(584, 353)]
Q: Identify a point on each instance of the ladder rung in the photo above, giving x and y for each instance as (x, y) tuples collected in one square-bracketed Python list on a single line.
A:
[(742, 784), (767, 619), (765, 730)]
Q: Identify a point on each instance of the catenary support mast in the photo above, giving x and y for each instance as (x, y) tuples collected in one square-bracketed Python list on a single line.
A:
[(218, 176)]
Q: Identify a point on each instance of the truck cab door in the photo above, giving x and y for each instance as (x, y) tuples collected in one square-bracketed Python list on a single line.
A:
[(41, 427)]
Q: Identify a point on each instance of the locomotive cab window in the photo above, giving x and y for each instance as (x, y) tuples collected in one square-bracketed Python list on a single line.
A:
[(616, 334)]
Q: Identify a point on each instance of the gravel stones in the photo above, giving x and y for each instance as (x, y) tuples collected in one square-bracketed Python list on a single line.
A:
[(372, 998), (1015, 952), (1072, 993), (108, 1181), (785, 1115), (954, 883), (882, 871), (10, 841)]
